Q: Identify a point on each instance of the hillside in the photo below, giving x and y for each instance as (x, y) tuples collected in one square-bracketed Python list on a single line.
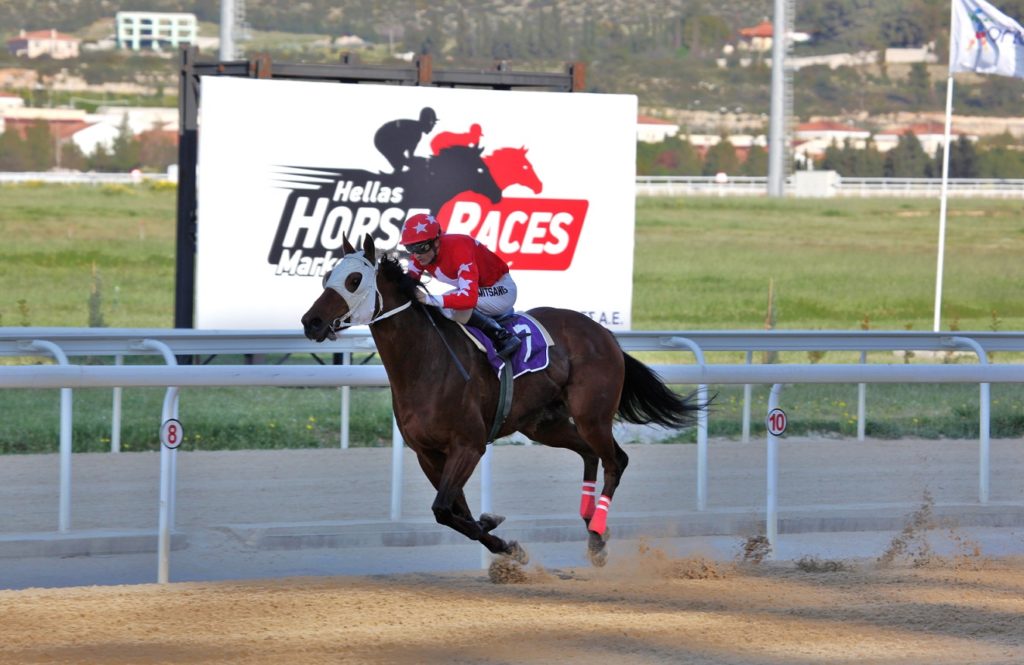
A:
[(668, 52)]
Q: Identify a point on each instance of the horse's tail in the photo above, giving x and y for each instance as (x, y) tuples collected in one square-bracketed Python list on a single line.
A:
[(646, 399)]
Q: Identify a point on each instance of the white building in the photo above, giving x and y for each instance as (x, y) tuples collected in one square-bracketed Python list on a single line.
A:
[(57, 45), (155, 31), (654, 130), (140, 118), (95, 135)]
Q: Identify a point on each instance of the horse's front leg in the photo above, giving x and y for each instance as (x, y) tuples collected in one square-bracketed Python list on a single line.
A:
[(450, 507)]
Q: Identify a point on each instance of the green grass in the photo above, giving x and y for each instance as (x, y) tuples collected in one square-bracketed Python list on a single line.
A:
[(54, 235), (706, 263), (700, 263)]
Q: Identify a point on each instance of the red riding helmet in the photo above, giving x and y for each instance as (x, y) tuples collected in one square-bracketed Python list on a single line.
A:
[(420, 228)]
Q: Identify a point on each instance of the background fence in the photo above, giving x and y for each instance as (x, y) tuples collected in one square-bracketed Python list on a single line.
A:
[(648, 185)]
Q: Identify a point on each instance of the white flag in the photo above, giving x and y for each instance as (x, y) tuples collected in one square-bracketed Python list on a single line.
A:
[(984, 40)]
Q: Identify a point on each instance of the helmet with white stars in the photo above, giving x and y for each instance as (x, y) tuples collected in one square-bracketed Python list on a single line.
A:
[(420, 228)]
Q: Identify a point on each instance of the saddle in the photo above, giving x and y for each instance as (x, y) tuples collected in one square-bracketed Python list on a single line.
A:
[(532, 354)]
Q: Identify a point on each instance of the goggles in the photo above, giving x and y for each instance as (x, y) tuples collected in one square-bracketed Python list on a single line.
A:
[(420, 247)]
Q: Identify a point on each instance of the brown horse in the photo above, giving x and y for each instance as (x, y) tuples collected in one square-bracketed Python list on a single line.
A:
[(445, 417)]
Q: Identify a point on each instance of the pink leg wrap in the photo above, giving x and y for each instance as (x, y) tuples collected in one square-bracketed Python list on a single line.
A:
[(599, 522), (587, 504)]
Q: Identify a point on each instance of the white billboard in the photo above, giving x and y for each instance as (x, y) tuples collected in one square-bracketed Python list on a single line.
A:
[(287, 168)]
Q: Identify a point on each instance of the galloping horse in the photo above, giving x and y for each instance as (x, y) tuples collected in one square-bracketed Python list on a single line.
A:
[(445, 417)]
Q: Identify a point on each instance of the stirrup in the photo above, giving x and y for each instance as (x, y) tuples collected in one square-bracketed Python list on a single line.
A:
[(508, 347)]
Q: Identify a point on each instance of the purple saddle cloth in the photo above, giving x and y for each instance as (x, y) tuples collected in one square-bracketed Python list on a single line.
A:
[(532, 354)]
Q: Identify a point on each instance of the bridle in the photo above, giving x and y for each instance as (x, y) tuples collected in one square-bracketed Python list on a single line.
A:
[(357, 301)]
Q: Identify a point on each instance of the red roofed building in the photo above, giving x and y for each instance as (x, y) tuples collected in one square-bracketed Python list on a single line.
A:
[(654, 130), (758, 37), (931, 135), (57, 45)]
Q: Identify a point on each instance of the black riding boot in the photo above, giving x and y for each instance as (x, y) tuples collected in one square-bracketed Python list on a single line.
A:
[(505, 343)]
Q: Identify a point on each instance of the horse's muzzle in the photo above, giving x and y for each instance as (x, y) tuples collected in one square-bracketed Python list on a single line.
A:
[(316, 328)]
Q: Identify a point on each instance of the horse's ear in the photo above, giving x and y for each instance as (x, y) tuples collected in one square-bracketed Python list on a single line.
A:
[(480, 150), (346, 246), (368, 249)]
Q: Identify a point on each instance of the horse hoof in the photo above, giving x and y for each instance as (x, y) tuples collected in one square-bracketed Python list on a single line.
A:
[(489, 521), (597, 548), (517, 552)]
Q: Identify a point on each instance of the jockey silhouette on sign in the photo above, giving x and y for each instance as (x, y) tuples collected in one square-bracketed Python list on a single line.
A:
[(397, 139), (448, 139)]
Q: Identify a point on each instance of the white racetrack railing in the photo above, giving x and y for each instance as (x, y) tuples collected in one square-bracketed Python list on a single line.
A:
[(64, 343), (650, 185)]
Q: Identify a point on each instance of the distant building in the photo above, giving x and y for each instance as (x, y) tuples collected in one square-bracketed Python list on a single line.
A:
[(57, 45), (932, 135), (812, 139), (758, 37), (9, 100), (654, 130), (156, 31)]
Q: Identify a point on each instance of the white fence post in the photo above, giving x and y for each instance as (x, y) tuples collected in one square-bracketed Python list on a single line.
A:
[(64, 500), (396, 471), (772, 472), (115, 415), (862, 391), (747, 395), (984, 471), (168, 467), (346, 398), (702, 426)]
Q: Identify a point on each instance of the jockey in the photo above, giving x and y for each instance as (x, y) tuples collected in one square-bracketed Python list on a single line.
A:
[(483, 284)]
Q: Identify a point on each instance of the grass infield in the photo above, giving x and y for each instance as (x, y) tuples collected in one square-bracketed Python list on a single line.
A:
[(81, 255)]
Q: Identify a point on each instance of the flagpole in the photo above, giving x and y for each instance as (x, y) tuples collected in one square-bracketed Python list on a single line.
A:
[(942, 203), (945, 177)]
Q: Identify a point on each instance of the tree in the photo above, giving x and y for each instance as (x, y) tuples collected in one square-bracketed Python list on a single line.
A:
[(40, 146), (125, 148), (834, 159), (919, 84), (13, 152), (721, 158), (868, 162), (756, 163), (963, 159), (908, 159)]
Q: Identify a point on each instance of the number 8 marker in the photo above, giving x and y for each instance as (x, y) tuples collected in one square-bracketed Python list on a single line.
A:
[(171, 433)]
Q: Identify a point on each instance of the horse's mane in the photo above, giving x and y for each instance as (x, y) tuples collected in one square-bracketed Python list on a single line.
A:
[(392, 271)]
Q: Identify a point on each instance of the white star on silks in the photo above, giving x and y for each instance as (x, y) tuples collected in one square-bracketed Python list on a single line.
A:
[(421, 227), (465, 267), (464, 286)]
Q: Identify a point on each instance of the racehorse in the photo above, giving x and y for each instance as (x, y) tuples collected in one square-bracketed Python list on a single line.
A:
[(445, 416)]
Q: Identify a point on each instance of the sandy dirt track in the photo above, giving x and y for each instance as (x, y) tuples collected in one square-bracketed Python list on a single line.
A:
[(646, 608)]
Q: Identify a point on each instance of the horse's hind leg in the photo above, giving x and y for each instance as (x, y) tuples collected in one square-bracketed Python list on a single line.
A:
[(562, 433)]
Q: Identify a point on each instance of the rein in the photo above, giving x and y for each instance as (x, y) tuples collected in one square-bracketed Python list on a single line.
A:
[(338, 323), (451, 352)]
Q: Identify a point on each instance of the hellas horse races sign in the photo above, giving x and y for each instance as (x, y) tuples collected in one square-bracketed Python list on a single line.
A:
[(287, 170)]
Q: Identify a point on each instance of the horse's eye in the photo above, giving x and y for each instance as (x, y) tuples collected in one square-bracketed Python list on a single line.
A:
[(353, 282)]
